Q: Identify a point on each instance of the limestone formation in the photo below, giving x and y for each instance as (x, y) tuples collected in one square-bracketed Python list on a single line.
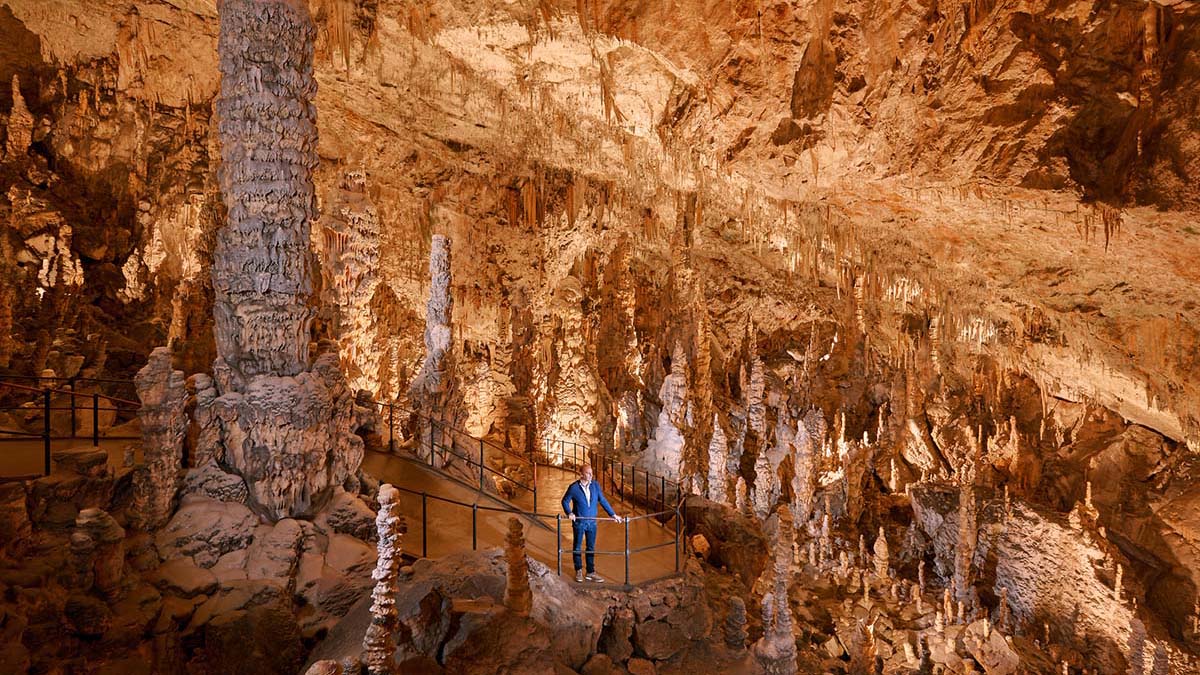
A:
[(431, 385), (517, 596), (164, 426), (20, 125), (882, 559), (775, 652), (286, 426), (735, 624), (379, 645), (718, 474)]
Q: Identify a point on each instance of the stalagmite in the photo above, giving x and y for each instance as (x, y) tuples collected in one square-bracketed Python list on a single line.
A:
[(430, 386), (741, 499), (286, 425), (517, 595), (20, 125), (379, 644), (882, 560), (735, 623), (718, 476), (164, 425), (765, 485), (964, 553), (775, 652)]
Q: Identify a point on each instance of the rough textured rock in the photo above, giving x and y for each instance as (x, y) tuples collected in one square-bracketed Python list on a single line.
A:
[(164, 426), (735, 540), (379, 647), (431, 385), (206, 529), (285, 417), (209, 480)]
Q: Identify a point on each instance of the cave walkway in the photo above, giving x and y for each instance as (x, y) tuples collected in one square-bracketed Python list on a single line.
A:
[(447, 515)]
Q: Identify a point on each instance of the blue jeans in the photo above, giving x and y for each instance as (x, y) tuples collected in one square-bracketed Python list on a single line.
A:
[(580, 530)]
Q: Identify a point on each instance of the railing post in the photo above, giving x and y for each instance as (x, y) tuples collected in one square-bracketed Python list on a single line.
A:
[(481, 465), (424, 527), (391, 428), (662, 493), (46, 430), (95, 419), (558, 542), (71, 388), (535, 489), (678, 522), (474, 526), (626, 551)]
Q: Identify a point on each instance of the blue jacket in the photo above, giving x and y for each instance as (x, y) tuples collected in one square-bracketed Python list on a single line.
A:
[(574, 501)]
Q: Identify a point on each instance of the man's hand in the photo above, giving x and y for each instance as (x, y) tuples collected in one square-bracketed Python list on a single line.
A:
[(571, 516), (618, 519)]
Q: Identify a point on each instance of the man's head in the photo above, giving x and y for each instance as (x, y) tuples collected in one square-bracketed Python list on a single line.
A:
[(585, 473)]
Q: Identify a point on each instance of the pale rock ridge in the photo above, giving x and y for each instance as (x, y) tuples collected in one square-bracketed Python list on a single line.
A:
[(665, 454)]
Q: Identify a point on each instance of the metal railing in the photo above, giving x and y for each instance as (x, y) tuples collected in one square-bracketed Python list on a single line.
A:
[(440, 441), (63, 397), (626, 552)]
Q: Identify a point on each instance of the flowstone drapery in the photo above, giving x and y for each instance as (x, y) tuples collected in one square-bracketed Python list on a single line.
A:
[(286, 427)]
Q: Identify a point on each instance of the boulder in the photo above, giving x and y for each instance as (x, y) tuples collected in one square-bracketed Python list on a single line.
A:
[(262, 639), (348, 514), (274, 553), (206, 529), (992, 652), (181, 577), (735, 540), (638, 666), (212, 482)]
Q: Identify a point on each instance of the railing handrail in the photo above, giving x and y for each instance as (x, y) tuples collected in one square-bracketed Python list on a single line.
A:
[(442, 423), (68, 392), (59, 378), (626, 552)]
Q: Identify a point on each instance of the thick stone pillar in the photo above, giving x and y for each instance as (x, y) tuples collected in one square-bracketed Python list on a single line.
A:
[(430, 386), (286, 427)]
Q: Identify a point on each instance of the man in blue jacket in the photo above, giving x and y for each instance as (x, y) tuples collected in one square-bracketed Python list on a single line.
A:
[(579, 503)]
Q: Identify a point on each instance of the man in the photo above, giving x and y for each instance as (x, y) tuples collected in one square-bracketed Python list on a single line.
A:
[(579, 503)]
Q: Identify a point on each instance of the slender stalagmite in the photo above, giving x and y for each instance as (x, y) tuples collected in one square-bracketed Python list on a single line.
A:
[(379, 644)]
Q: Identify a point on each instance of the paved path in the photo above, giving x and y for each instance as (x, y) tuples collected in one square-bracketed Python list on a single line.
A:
[(449, 525), (24, 457)]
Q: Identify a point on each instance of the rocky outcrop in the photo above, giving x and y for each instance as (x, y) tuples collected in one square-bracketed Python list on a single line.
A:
[(736, 540)]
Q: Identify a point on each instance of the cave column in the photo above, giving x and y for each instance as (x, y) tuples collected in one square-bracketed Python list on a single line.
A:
[(286, 423)]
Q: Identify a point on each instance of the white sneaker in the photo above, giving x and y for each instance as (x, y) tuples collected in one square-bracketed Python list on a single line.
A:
[(579, 576), (595, 577)]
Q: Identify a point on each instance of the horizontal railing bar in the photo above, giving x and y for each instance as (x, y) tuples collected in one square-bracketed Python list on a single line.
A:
[(471, 461), (651, 547), (58, 378), (68, 392)]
